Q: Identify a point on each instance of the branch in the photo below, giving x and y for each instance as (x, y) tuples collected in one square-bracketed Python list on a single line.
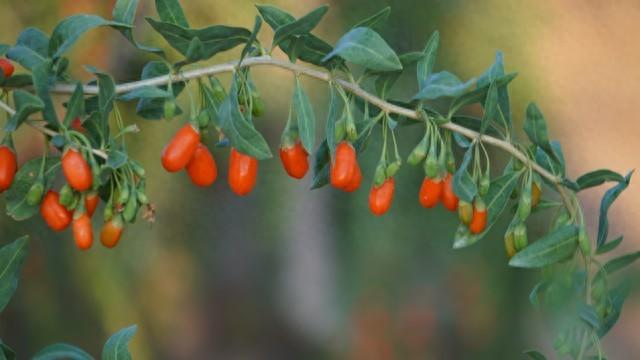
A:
[(43, 129), (320, 75)]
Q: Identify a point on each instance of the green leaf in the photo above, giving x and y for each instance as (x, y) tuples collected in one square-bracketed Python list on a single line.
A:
[(313, 49), (6, 353), (41, 81), (479, 94), (495, 72), (617, 297), (619, 263), (31, 48), (499, 195), (106, 98), (171, 12), (589, 315), (535, 126), (463, 184), (305, 117), (117, 347), (34, 39), (242, 134), (428, 59), (195, 51), (146, 92), (117, 159), (332, 118), (257, 24), (554, 247), (124, 12), (275, 16), (153, 109), (11, 259), (598, 177), (490, 108), (374, 20), (534, 355), (609, 246), (26, 104), (75, 106), (442, 84), (321, 166), (301, 26), (363, 46), (214, 39), (69, 30), (607, 200), (62, 351), (26, 176)]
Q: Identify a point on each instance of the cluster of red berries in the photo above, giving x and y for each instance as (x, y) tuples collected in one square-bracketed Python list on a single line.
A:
[(185, 151), (55, 206)]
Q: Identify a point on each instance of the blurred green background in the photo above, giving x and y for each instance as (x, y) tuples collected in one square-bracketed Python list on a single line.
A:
[(288, 273)]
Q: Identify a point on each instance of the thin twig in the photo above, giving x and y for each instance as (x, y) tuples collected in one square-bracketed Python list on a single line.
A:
[(320, 75)]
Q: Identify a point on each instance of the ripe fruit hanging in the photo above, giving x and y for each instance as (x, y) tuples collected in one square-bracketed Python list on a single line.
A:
[(345, 166), (381, 197), (112, 232), (7, 68), (295, 160), (356, 179), (479, 221), (91, 202), (54, 214), (449, 198), (82, 230), (243, 171), (76, 170), (178, 153), (430, 192), (202, 168), (8, 167)]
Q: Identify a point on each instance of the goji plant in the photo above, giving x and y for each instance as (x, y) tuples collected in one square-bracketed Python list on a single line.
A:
[(86, 147)]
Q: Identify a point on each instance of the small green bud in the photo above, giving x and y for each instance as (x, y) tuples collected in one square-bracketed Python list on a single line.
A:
[(203, 119), (393, 168), (340, 130), (169, 109), (583, 241), (431, 168), (485, 184), (137, 168), (35, 193), (66, 195), (258, 105), (520, 239), (123, 198), (380, 175), (419, 152), (130, 209)]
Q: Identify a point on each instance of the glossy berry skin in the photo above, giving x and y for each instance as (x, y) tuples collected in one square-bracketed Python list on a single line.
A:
[(202, 168), (8, 167), (295, 160), (479, 221), (7, 68), (76, 124), (356, 179), (381, 197), (344, 166), (76, 170), (430, 192), (82, 231), (55, 215), (448, 197), (243, 172), (91, 202), (178, 153), (112, 232)]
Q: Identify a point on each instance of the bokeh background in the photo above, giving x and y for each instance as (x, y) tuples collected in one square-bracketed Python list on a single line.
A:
[(288, 273)]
